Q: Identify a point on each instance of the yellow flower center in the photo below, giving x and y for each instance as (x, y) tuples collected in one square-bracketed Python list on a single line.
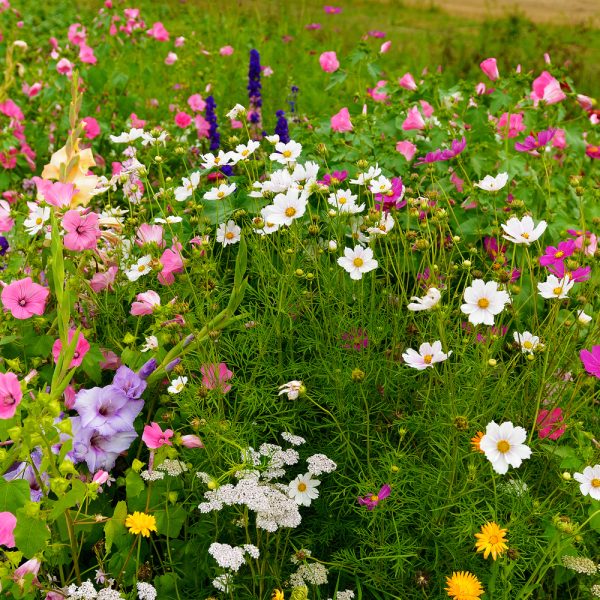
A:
[(230, 235), (596, 483), (286, 153), (358, 262), (220, 194), (483, 302), (559, 254), (342, 200), (38, 221), (527, 345), (427, 359), (245, 152), (217, 160), (301, 487), (557, 291), (525, 235), (503, 446), (375, 498), (493, 539), (141, 268), (290, 211)]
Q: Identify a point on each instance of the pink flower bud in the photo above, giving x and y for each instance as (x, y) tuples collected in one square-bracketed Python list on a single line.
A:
[(191, 441)]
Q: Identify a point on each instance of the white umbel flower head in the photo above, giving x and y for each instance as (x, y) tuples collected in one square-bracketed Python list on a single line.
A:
[(428, 301), (357, 261), (483, 300), (427, 356), (503, 446), (303, 490), (554, 287), (529, 343), (523, 231), (228, 233), (589, 481), (493, 184)]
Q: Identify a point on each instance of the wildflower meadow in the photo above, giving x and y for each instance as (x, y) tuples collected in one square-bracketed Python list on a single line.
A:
[(296, 304)]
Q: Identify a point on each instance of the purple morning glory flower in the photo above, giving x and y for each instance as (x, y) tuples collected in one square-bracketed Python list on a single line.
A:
[(107, 409), (129, 382)]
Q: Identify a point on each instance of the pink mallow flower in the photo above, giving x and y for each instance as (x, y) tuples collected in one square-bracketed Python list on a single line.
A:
[(407, 81), (191, 441), (8, 522), (86, 55), (55, 193), (24, 298), (547, 89), (196, 103), (329, 62), (158, 32), (340, 122), (372, 500), (146, 303), (413, 120), (385, 47), (182, 119), (104, 280), (31, 566), (489, 67), (31, 90), (64, 67), (81, 349), (6, 222), (154, 437), (407, 149), (149, 234), (82, 231), (92, 129), (591, 360), (376, 92), (510, 125), (172, 263), (551, 423), (10, 395), (216, 377)]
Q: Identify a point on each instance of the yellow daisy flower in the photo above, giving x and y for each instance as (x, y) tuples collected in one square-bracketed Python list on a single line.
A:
[(491, 540), (463, 585), (277, 595), (140, 523)]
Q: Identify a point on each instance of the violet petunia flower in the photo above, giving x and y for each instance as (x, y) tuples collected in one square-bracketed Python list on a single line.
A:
[(372, 500)]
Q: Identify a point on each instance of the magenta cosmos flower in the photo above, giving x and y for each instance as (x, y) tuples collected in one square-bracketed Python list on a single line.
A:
[(535, 141), (591, 360), (372, 500), (551, 424), (10, 395), (24, 298), (154, 437), (216, 377)]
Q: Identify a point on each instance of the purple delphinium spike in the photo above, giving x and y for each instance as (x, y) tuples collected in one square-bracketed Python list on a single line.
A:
[(211, 117), (3, 245), (254, 95), (281, 129)]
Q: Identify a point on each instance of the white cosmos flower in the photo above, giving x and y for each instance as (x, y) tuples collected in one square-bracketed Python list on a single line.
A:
[(483, 300), (523, 231), (272, 139), (268, 227), (244, 151), (236, 111), (141, 267), (170, 219), (493, 184), (366, 177), (307, 172), (583, 318), (285, 208), (554, 287), (286, 153), (381, 185), (292, 389), (127, 137), (357, 261), (503, 446), (228, 233), (386, 223), (222, 159), (218, 193), (303, 490), (188, 186), (427, 356), (528, 342), (151, 343), (429, 300), (38, 215), (345, 202), (590, 481), (177, 385)]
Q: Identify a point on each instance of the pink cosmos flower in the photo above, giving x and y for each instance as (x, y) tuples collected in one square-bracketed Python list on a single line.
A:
[(376, 92), (31, 90), (413, 120), (196, 103), (149, 234), (547, 88), (158, 32), (557, 254), (407, 149), (591, 360), (551, 424), (313, 26), (226, 51), (216, 376), (510, 125), (372, 500), (172, 263), (104, 280), (6, 222), (407, 81), (559, 140), (92, 129), (154, 437), (8, 522), (136, 121), (146, 303), (81, 349), (179, 41), (535, 141), (24, 298), (10, 395), (329, 62), (340, 122), (588, 242), (86, 55), (385, 47), (457, 181), (592, 151), (356, 339), (578, 275), (82, 231), (171, 59), (64, 67), (332, 10), (489, 67), (334, 178), (191, 441), (182, 119)]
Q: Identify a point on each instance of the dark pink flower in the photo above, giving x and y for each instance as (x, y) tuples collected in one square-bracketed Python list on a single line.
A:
[(154, 437), (182, 119), (551, 424), (216, 377), (372, 500), (92, 129), (535, 141), (81, 349), (8, 522), (356, 339), (10, 395), (591, 360), (578, 275), (334, 178), (82, 230), (557, 254), (393, 199), (158, 32), (332, 10), (24, 298)]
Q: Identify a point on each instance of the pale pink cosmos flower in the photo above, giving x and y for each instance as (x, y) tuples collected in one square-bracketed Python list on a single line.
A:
[(407, 149), (329, 62), (490, 68), (146, 303), (149, 234), (216, 377), (171, 59), (172, 263), (179, 41), (407, 81), (10, 395), (82, 231), (154, 437), (8, 522), (426, 357), (226, 51), (385, 47), (104, 280), (24, 298), (196, 103), (413, 120), (158, 32), (64, 67), (6, 222), (340, 122), (81, 349)]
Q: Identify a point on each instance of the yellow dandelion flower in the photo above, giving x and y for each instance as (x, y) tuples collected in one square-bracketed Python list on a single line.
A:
[(277, 595), (491, 540), (140, 523), (475, 440), (463, 585)]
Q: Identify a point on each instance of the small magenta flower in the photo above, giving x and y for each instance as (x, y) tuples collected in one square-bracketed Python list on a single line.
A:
[(591, 360), (216, 377), (81, 349), (10, 395), (372, 500), (154, 437), (356, 339), (551, 424), (557, 254)]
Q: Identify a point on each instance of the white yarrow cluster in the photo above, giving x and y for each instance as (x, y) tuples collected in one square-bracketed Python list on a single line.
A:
[(232, 557), (87, 591), (313, 573), (294, 440), (147, 475), (146, 591), (319, 464), (172, 467)]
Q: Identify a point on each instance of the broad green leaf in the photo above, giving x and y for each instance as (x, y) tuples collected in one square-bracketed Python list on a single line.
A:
[(13, 495), (75, 495), (30, 534), (115, 527)]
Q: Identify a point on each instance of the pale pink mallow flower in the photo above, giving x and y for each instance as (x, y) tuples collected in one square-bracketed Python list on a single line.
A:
[(154, 437), (191, 441), (196, 103), (547, 89), (226, 51), (202, 126), (86, 55), (146, 303), (585, 102), (55, 193), (413, 120), (216, 377), (340, 122), (82, 231), (158, 32), (81, 349), (6, 222), (329, 62), (376, 93), (8, 522), (64, 67), (407, 81), (385, 47), (426, 108), (24, 298), (31, 566), (490, 68), (10, 395), (171, 59), (407, 149), (179, 41), (104, 280), (101, 477)]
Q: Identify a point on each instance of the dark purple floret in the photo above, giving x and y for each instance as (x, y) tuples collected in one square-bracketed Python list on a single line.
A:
[(211, 117), (281, 129), (254, 93), (3, 245)]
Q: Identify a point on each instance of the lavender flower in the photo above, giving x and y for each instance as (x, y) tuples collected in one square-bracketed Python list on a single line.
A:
[(24, 470), (281, 129), (211, 117), (132, 384), (148, 368), (254, 94)]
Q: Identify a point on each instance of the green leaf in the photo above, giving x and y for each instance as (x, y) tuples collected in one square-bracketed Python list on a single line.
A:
[(30, 534), (13, 495), (75, 495), (336, 79), (135, 488), (115, 529), (594, 509), (170, 522)]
